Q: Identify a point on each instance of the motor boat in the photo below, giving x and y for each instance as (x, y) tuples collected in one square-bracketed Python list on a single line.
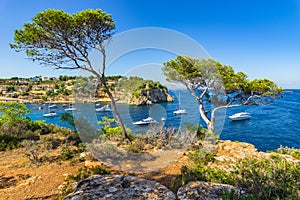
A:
[(146, 121), (71, 108), (180, 111), (50, 114), (105, 108), (52, 106), (240, 116)]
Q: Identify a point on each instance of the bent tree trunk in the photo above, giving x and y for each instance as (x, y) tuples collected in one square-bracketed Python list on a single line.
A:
[(115, 110), (209, 123)]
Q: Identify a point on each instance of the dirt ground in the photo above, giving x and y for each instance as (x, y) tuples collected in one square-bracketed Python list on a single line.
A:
[(20, 180)]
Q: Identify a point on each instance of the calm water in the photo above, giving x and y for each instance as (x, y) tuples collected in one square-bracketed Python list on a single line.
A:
[(271, 125)]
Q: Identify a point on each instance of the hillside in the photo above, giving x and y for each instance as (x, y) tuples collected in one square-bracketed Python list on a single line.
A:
[(133, 90)]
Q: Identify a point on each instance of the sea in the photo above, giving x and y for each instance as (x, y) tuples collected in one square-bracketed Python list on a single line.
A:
[(270, 126)]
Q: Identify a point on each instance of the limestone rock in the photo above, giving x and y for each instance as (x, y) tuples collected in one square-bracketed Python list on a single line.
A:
[(119, 187), (203, 191), (149, 97)]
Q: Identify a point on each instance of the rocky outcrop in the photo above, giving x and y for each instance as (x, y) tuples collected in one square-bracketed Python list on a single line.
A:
[(119, 187), (130, 187), (148, 97), (203, 191), (145, 97)]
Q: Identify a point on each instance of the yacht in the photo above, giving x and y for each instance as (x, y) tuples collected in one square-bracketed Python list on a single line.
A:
[(105, 108), (50, 114), (180, 111), (240, 116), (52, 106), (71, 108), (146, 121)]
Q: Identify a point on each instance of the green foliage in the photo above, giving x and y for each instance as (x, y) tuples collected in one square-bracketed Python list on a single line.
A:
[(201, 156), (71, 153), (272, 178), (85, 172), (58, 38), (202, 73), (112, 132), (68, 117), (67, 153), (10, 88), (13, 112), (269, 178), (198, 130), (295, 153), (8, 142), (50, 142), (264, 87), (137, 146), (137, 86)]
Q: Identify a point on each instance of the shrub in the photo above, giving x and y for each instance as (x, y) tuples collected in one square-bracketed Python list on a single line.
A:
[(137, 146), (33, 150), (201, 156), (67, 153), (295, 153), (8, 142), (270, 178), (49, 142)]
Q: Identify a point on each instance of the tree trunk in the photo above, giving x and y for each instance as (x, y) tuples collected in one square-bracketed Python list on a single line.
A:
[(116, 112), (211, 126), (209, 123)]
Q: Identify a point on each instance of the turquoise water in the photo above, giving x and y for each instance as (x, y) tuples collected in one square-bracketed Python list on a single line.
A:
[(271, 125)]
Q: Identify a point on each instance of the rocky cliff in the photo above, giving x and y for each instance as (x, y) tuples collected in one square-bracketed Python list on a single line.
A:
[(148, 97), (137, 91)]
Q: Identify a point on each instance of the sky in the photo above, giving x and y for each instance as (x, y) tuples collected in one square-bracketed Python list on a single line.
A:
[(258, 37)]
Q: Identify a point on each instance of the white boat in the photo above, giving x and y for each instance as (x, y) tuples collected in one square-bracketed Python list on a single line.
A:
[(71, 108), (52, 106), (180, 110), (240, 116), (146, 121), (50, 114), (163, 119), (105, 108)]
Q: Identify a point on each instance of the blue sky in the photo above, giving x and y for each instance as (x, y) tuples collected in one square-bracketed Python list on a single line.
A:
[(258, 37)]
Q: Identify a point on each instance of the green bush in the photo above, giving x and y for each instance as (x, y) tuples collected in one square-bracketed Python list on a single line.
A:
[(295, 153), (67, 153), (137, 146), (201, 156), (8, 142), (270, 178), (113, 132), (50, 142)]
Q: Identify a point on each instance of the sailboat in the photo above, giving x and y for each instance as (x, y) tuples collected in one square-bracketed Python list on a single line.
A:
[(180, 110)]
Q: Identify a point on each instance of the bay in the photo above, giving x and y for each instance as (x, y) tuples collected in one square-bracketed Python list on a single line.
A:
[(271, 125)]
